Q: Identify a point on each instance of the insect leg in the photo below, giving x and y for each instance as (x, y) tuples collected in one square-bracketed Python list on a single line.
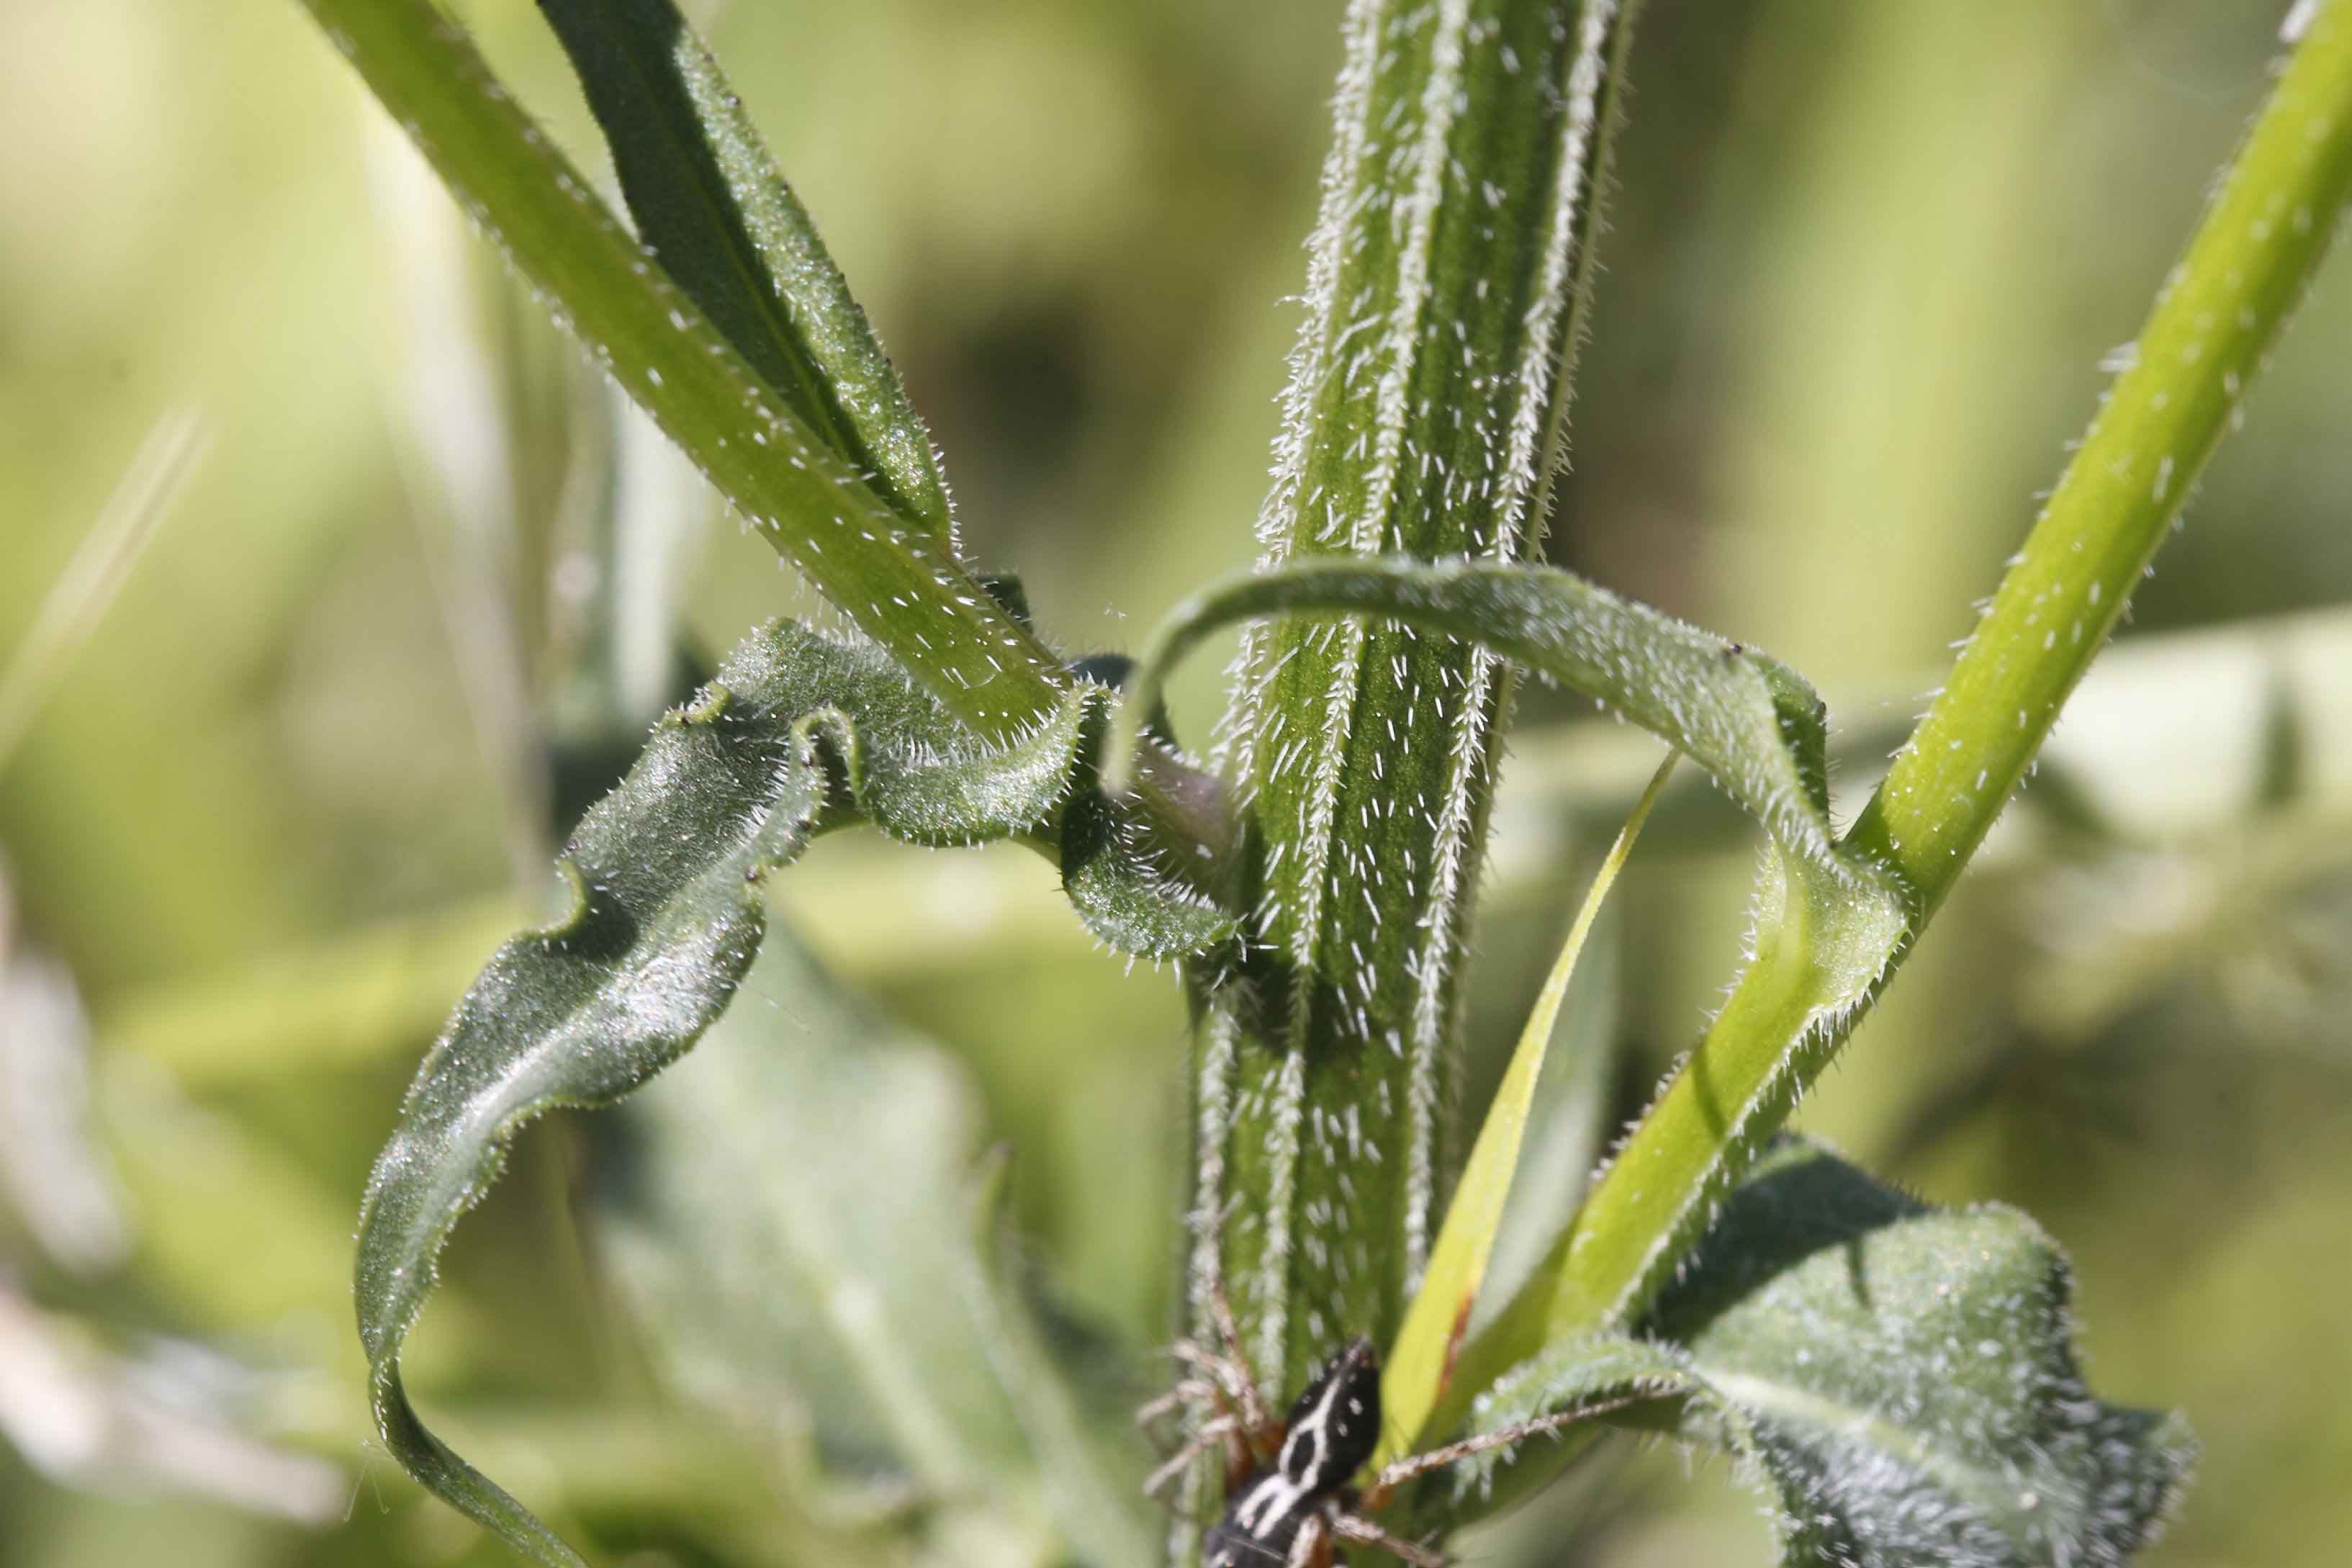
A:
[(1208, 1433), (1193, 1391), (1416, 1465), (1311, 1547), (1353, 1527)]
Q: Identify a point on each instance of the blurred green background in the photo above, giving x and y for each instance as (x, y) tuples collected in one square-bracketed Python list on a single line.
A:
[(1864, 265)]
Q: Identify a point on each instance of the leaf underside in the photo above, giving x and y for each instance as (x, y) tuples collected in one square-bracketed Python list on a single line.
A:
[(1899, 1380), (800, 732)]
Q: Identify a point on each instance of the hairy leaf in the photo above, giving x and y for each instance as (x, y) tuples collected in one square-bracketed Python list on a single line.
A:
[(1830, 922), (791, 1210), (1750, 721), (800, 732), (709, 203), (1900, 1379)]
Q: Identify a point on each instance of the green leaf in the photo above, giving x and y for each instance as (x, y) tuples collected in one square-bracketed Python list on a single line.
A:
[(1900, 1379), (791, 1211), (1422, 1359), (709, 203), (800, 732), (1830, 922), (1750, 721)]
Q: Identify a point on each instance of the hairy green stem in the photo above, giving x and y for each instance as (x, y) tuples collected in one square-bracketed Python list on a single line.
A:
[(893, 576), (2213, 324), (1445, 290), (1816, 966), (892, 571)]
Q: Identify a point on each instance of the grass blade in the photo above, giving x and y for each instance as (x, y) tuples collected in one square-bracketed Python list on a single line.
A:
[(71, 609), (1422, 1359)]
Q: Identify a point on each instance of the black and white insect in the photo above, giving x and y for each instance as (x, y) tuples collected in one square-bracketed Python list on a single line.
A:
[(1290, 1497)]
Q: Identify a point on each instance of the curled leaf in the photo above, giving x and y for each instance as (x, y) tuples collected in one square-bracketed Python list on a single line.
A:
[(1829, 922), (1750, 721), (800, 732)]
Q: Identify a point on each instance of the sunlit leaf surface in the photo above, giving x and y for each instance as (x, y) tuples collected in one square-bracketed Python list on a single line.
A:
[(799, 732), (1900, 1380)]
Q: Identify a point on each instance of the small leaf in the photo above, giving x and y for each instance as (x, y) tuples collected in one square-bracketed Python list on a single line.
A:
[(799, 732), (1128, 888), (1422, 1359), (1900, 1378), (709, 203)]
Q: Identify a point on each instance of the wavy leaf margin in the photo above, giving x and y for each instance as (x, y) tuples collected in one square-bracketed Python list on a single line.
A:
[(800, 732)]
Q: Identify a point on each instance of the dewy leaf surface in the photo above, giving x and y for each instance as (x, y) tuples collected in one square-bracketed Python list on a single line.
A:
[(791, 1213), (800, 732), (710, 204), (1900, 1378)]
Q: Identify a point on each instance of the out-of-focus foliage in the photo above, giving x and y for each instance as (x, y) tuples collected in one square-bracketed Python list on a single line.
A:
[(1864, 262)]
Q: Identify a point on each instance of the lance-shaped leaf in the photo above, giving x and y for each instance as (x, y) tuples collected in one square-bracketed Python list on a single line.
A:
[(1421, 1359), (1899, 1379), (791, 1210), (799, 732), (709, 203)]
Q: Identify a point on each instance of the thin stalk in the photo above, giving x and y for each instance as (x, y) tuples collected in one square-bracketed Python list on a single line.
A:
[(2217, 318), (71, 609), (903, 586), (2213, 325)]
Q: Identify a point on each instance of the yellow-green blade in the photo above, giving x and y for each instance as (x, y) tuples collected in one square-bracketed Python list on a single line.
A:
[(1423, 1356)]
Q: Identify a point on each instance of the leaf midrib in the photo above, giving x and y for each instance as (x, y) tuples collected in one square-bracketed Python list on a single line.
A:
[(1992, 1495)]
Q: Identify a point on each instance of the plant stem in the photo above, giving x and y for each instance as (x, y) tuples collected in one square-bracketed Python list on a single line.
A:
[(1821, 954), (896, 577), (2213, 324), (903, 586), (1817, 966), (1445, 290)]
